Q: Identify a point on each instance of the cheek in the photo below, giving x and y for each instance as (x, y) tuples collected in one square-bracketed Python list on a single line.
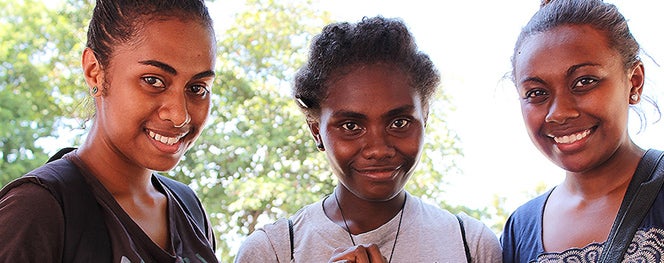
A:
[(200, 111), (533, 118)]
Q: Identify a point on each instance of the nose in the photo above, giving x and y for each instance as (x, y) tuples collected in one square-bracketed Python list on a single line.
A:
[(562, 108), (377, 146), (174, 109)]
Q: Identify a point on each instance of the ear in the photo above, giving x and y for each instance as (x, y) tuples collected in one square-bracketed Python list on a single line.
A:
[(314, 128), (637, 79), (92, 71)]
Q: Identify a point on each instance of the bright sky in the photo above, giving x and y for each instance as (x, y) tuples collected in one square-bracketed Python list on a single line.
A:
[(471, 43)]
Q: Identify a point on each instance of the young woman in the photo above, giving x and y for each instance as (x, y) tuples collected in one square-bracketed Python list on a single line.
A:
[(577, 73), (149, 67), (365, 92)]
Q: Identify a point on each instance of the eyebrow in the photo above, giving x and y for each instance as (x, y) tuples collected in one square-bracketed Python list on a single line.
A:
[(573, 68), (160, 65), (355, 115), (569, 72), (400, 110), (349, 114), (172, 70), (204, 74)]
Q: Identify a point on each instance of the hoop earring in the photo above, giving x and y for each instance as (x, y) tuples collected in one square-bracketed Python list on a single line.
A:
[(185, 122)]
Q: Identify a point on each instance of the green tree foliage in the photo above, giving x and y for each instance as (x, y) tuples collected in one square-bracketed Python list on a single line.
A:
[(255, 160), (38, 50)]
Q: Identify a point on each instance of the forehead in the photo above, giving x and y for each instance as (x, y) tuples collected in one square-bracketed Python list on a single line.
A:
[(376, 87), (564, 45), (173, 41)]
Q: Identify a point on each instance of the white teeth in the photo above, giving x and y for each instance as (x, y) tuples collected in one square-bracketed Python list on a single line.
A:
[(164, 139), (571, 138)]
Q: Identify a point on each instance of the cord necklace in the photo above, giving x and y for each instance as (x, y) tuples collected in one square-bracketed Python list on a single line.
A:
[(398, 227)]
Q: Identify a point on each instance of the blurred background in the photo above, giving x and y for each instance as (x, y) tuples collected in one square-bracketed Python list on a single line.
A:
[(255, 160)]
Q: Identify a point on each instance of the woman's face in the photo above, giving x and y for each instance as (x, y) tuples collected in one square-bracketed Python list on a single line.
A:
[(151, 87), (372, 128), (575, 95)]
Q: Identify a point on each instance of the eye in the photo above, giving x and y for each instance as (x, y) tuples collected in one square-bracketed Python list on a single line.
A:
[(584, 84), (400, 124), (350, 126), (154, 81), (199, 90), (536, 95)]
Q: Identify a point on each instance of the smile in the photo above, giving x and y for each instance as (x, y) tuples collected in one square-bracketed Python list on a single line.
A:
[(567, 139), (165, 139)]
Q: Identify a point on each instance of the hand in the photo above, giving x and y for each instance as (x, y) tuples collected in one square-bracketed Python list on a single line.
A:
[(358, 254)]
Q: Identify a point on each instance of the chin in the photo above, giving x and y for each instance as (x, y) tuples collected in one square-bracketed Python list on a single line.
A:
[(164, 166)]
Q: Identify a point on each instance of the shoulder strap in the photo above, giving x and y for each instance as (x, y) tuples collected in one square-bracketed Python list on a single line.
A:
[(640, 195), (86, 236), (463, 237), (280, 235)]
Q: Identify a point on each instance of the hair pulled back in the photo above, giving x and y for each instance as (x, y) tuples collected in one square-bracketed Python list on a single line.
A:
[(116, 22), (340, 46), (603, 17)]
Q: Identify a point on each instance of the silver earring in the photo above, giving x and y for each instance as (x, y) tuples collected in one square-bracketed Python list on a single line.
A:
[(634, 97)]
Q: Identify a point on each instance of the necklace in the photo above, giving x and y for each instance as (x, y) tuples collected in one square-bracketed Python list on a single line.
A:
[(398, 227)]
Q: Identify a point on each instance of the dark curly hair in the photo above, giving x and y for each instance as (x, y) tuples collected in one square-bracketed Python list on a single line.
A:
[(116, 22), (340, 46)]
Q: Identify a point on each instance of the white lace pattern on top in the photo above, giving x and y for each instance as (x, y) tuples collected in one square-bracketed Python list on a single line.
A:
[(646, 246)]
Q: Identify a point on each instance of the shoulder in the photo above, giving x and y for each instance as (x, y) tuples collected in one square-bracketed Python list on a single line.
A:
[(482, 242), (529, 210), (521, 235), (256, 248), (31, 220)]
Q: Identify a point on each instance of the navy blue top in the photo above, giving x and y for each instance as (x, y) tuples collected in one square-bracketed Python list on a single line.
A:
[(522, 237)]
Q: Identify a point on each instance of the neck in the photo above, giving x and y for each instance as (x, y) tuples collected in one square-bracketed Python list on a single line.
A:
[(611, 177), (361, 215), (119, 175)]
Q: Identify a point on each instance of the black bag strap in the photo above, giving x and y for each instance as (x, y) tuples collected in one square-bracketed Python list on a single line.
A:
[(279, 234), (463, 238), (640, 195), (85, 228), (86, 240), (290, 237)]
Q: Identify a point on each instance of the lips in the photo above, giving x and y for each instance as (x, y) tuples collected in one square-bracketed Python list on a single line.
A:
[(571, 138), (379, 173), (165, 139)]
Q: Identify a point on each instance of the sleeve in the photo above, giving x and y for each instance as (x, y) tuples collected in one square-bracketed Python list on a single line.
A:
[(483, 243), (32, 225), (256, 248)]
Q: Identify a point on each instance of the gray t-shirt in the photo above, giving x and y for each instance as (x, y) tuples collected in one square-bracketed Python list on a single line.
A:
[(428, 234)]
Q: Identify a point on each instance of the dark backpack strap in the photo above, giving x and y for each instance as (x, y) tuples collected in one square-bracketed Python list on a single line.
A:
[(463, 238), (280, 237), (188, 201), (86, 235), (290, 236), (640, 195)]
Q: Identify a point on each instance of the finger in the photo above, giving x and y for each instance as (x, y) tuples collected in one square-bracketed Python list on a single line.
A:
[(361, 254), (374, 255)]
